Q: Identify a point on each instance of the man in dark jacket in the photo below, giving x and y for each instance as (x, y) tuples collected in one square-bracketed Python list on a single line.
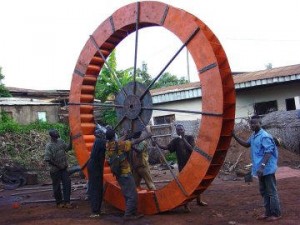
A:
[(55, 155), (95, 172)]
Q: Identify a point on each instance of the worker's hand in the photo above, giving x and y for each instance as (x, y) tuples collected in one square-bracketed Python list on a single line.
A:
[(260, 171)]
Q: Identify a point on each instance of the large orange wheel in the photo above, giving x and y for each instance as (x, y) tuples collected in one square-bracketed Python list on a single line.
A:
[(218, 97)]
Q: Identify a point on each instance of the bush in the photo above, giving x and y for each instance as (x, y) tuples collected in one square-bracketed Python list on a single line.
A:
[(24, 145)]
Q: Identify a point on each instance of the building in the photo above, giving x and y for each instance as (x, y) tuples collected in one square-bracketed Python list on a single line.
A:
[(256, 93), (26, 110), (57, 96)]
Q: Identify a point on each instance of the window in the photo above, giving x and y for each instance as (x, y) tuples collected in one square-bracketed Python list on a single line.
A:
[(262, 108), (167, 119), (42, 116), (290, 104)]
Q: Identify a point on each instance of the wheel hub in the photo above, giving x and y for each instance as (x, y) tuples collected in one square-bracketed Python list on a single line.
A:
[(132, 115), (132, 106)]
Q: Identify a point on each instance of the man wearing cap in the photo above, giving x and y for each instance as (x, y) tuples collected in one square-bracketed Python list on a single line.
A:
[(183, 147), (95, 172), (55, 155)]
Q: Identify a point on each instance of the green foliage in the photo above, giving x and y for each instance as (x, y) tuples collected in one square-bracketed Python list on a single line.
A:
[(109, 116), (107, 85), (24, 145), (9, 125), (167, 80), (142, 75), (110, 79), (3, 91)]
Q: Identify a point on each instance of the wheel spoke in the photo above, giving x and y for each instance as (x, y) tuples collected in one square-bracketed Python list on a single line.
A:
[(107, 65), (97, 104), (165, 161), (171, 60), (131, 126), (136, 44), (119, 123), (183, 111)]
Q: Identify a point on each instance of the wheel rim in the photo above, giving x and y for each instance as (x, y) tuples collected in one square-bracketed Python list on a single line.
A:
[(218, 96)]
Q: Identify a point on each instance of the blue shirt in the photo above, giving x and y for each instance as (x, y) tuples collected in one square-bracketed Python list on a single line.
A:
[(262, 143)]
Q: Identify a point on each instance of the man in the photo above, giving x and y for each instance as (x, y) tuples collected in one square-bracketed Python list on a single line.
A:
[(55, 155), (264, 156), (183, 147), (125, 179), (95, 172), (139, 162)]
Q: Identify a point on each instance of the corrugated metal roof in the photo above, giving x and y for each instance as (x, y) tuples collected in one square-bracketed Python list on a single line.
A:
[(24, 101), (188, 86), (286, 71), (242, 80)]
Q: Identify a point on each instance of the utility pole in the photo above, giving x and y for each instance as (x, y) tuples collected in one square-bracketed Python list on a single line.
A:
[(187, 65)]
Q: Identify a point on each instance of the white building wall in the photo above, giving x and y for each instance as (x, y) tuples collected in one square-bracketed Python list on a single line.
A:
[(246, 98), (244, 102), (189, 104), (297, 102)]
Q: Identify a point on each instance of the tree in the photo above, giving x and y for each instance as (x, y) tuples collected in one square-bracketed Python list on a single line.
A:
[(143, 75), (269, 66), (168, 79), (107, 86), (3, 91)]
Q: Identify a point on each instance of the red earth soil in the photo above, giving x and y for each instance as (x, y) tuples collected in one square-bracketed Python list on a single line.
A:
[(230, 200)]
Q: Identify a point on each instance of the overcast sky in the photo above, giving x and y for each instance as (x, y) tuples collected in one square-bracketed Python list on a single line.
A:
[(40, 41)]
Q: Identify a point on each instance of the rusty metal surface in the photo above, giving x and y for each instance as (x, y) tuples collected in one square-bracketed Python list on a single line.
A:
[(218, 97), (132, 107)]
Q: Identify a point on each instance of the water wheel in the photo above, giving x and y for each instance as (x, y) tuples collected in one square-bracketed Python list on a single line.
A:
[(134, 104)]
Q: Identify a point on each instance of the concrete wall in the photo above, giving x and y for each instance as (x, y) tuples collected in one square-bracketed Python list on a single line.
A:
[(189, 104), (27, 114), (244, 102), (247, 98)]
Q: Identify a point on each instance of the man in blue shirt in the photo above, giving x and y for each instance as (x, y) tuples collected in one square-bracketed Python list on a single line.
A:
[(264, 156)]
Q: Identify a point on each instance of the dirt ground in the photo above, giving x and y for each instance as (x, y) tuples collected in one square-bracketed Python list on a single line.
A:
[(231, 200)]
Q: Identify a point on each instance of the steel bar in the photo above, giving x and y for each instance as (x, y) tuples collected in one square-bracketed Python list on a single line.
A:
[(166, 162), (171, 60), (97, 104), (136, 44), (45, 201), (32, 188), (107, 65), (158, 181), (131, 125), (183, 111), (31, 192), (119, 123)]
